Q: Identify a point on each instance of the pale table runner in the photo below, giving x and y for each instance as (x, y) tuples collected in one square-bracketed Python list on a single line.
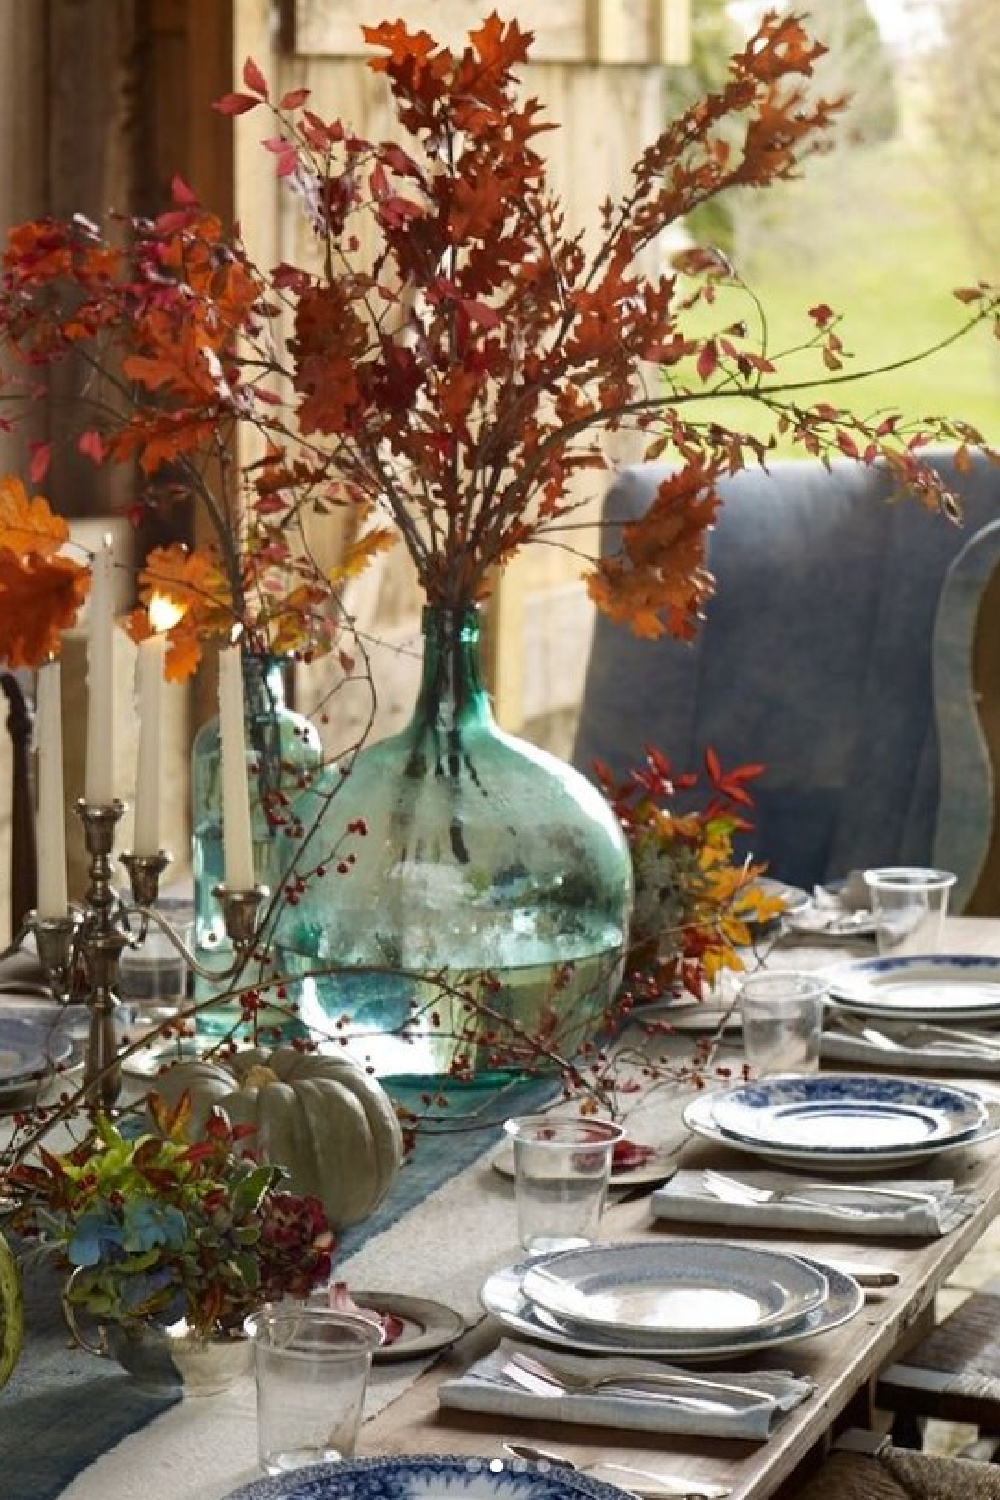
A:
[(203, 1448)]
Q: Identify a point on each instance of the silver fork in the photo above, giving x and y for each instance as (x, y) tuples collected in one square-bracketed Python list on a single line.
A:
[(921, 1032), (733, 1189), (621, 1377)]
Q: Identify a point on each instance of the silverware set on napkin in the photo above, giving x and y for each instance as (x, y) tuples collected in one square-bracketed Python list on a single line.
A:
[(624, 1375), (834, 1196), (919, 1036)]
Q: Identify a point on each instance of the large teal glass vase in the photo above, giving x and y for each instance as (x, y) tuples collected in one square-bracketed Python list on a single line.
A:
[(283, 757), (472, 916)]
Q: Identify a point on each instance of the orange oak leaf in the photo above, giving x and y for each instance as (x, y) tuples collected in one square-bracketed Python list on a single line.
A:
[(28, 525), (137, 625), (39, 597), (659, 582), (183, 654), (190, 578)]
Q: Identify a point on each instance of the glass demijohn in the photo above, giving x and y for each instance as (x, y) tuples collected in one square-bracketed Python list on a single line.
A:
[(476, 889)]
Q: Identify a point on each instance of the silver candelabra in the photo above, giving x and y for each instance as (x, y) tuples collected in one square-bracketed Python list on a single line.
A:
[(80, 951)]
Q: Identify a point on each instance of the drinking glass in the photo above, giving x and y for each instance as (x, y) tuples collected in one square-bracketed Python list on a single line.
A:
[(562, 1168), (909, 904), (782, 1014), (311, 1365)]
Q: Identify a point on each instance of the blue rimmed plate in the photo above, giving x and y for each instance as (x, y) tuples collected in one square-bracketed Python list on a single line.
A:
[(937, 986), (820, 1113), (422, 1478), (837, 1112), (700, 1120), (504, 1297)]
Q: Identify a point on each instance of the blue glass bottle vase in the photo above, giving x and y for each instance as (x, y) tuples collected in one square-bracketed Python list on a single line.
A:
[(284, 755)]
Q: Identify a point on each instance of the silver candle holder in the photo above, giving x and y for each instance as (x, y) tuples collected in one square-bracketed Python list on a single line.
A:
[(80, 952)]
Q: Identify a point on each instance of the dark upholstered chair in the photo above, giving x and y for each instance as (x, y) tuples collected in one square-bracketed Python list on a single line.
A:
[(839, 651)]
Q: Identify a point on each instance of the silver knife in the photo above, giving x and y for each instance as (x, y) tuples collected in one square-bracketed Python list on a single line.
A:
[(666, 1484)]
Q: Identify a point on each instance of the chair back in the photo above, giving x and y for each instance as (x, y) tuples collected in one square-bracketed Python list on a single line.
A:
[(837, 652)]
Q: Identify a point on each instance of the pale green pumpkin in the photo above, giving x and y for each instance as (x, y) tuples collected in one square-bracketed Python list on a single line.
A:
[(327, 1122), (11, 1312)]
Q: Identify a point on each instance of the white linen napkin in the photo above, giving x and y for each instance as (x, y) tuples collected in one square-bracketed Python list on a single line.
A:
[(688, 1199), (936, 1055), (692, 1409), (842, 914)]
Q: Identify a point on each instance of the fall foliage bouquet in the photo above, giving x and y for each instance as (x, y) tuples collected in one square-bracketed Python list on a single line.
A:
[(695, 901), (441, 372)]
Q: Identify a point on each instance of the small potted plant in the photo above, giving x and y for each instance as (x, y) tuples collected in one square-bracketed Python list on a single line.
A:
[(170, 1243)]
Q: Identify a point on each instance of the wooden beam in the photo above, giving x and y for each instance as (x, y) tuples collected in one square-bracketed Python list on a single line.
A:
[(670, 39), (570, 31)]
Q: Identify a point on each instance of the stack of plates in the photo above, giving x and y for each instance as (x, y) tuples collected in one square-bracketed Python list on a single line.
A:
[(842, 1121), (937, 987), (686, 1299), (31, 1048)]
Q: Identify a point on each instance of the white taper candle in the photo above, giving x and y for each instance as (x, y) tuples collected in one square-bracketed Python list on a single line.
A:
[(236, 829), (149, 691), (99, 780), (51, 823), (149, 704)]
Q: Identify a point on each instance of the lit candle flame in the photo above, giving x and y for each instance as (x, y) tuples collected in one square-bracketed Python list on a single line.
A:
[(163, 613)]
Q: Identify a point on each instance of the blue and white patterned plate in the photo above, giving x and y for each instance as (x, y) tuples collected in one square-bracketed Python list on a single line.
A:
[(700, 1120), (840, 1112), (503, 1295), (941, 987), (428, 1479)]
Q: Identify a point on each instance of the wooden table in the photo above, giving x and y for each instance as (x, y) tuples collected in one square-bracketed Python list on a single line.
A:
[(203, 1449), (843, 1363)]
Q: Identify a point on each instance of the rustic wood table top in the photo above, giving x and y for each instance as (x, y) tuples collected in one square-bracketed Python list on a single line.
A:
[(842, 1362)]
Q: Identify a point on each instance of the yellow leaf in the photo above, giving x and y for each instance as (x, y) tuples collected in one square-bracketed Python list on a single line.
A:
[(362, 551)]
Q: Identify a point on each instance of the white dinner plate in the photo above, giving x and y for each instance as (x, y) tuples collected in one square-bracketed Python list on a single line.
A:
[(699, 1117), (839, 1112), (685, 1013), (681, 1288), (938, 987), (428, 1478), (30, 1046), (503, 1296)]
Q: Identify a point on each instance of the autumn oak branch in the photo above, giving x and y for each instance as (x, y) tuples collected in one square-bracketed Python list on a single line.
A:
[(444, 386)]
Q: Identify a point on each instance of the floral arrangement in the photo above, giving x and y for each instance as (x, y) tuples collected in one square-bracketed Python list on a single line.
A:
[(693, 901), (442, 373), (155, 1227)]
